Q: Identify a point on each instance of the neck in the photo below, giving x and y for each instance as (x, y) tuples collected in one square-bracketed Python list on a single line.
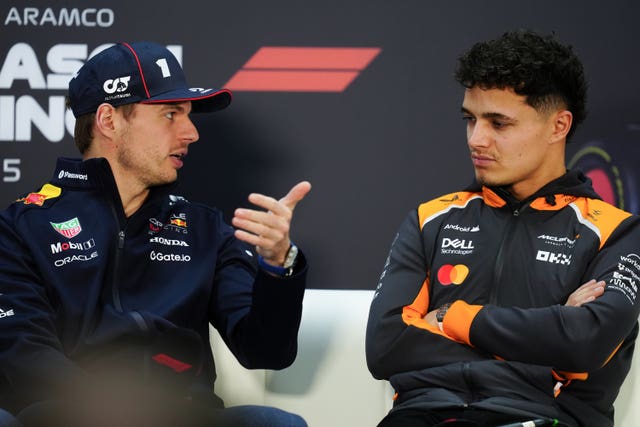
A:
[(131, 198), (524, 190), (132, 192)]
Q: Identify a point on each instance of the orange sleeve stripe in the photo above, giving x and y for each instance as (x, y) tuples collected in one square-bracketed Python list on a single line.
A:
[(564, 375), (457, 321), (613, 353), (413, 314)]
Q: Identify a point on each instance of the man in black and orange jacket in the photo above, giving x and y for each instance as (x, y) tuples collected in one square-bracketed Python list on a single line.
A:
[(480, 313)]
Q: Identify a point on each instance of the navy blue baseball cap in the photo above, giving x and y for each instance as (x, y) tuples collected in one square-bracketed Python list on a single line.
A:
[(143, 72)]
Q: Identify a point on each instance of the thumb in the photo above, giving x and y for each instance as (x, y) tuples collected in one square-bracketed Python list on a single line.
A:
[(297, 193)]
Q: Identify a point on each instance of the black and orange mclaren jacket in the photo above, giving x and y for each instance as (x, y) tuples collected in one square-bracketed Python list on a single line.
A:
[(87, 293), (508, 343)]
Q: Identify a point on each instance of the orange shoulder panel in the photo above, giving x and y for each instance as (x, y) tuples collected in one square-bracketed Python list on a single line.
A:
[(442, 204), (600, 216)]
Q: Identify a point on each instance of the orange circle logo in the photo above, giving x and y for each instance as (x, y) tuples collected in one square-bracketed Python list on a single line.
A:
[(455, 274)]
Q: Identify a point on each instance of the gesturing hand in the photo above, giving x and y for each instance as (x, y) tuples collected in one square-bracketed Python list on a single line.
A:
[(269, 230)]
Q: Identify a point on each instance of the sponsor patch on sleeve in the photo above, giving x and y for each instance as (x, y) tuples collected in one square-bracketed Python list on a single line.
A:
[(47, 191)]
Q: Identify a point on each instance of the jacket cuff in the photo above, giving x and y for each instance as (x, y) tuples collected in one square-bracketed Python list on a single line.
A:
[(457, 321)]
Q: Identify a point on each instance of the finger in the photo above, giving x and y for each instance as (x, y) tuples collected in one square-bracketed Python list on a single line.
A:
[(270, 204), (588, 292), (270, 231), (599, 287), (297, 193), (284, 206), (260, 217), (249, 238), (587, 285)]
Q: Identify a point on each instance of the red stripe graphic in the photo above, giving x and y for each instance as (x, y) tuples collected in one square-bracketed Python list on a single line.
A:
[(302, 69), (172, 363)]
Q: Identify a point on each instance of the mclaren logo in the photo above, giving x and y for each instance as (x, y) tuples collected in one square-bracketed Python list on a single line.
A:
[(558, 241)]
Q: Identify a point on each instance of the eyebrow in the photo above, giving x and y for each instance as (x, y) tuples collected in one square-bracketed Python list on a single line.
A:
[(173, 106), (489, 115)]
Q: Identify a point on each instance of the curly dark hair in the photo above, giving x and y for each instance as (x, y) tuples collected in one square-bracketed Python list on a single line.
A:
[(547, 73)]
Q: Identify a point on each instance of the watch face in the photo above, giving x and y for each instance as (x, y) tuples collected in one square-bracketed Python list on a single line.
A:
[(441, 312), (290, 259)]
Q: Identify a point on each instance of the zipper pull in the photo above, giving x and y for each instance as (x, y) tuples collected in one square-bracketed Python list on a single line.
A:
[(121, 239)]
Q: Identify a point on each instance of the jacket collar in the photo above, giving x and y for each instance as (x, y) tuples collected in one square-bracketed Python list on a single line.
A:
[(96, 174), (556, 194)]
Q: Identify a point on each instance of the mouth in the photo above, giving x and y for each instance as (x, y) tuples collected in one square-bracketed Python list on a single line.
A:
[(177, 159), (480, 160)]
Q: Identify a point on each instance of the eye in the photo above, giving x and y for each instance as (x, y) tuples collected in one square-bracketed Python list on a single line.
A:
[(497, 124), (169, 115), (469, 119)]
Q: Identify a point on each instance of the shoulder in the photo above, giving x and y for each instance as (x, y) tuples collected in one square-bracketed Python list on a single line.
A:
[(601, 217), (44, 198), (445, 203)]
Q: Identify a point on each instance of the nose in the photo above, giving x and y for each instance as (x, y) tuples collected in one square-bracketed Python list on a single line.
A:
[(478, 134), (189, 132)]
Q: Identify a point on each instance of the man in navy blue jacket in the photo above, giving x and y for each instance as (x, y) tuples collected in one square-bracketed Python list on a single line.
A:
[(109, 281)]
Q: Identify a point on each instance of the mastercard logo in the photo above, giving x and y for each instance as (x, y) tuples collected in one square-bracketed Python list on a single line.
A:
[(452, 274)]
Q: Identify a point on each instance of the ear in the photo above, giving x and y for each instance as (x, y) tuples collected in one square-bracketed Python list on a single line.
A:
[(105, 120), (562, 121)]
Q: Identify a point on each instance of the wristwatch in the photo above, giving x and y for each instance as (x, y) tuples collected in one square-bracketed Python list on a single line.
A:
[(291, 258), (289, 262), (440, 314)]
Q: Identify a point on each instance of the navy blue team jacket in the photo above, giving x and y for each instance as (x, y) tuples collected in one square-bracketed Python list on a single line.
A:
[(85, 290)]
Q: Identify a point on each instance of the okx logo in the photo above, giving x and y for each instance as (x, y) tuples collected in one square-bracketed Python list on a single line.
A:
[(302, 69)]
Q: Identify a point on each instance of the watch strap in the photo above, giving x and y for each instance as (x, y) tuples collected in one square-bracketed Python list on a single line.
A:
[(440, 313), (291, 257), (289, 262)]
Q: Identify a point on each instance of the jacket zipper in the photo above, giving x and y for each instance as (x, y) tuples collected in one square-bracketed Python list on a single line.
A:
[(499, 264), (466, 374), (115, 290)]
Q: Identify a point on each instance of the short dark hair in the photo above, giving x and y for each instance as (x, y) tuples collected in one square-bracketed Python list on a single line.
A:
[(83, 131), (546, 72)]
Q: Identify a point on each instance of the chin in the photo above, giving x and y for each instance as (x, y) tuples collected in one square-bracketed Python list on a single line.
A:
[(165, 180), (490, 182)]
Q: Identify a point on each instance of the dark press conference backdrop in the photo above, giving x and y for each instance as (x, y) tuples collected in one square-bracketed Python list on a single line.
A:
[(355, 96)]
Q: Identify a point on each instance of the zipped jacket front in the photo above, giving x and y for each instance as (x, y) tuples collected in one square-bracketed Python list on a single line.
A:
[(84, 290), (508, 342)]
